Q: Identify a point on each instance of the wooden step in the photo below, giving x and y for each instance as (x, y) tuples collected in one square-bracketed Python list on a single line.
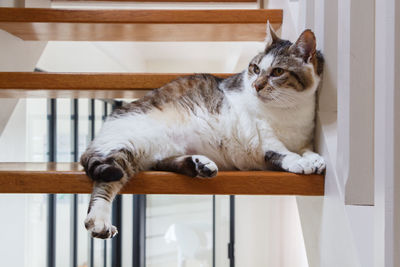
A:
[(138, 25), (163, 1), (83, 85), (69, 178)]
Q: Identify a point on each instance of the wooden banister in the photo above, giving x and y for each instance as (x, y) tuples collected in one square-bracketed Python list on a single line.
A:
[(69, 178), (138, 25)]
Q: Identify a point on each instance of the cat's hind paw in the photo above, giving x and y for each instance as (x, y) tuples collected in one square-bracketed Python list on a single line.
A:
[(98, 223), (204, 166), (100, 228)]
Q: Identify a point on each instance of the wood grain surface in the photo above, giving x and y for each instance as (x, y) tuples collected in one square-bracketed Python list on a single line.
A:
[(138, 25), (83, 85), (69, 178), (163, 1), (234, 16)]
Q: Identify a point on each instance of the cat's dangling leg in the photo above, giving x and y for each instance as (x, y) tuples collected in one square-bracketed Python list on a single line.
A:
[(110, 174), (98, 219), (191, 165)]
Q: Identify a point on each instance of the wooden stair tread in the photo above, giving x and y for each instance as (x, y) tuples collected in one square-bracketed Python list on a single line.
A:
[(83, 85), (69, 178), (138, 25), (164, 1)]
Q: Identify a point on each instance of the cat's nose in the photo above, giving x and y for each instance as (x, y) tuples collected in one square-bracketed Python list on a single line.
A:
[(258, 86)]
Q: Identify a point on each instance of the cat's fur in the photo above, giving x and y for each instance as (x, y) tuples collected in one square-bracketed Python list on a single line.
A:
[(263, 116)]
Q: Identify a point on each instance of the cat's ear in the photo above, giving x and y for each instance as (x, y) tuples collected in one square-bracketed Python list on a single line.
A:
[(271, 36), (305, 46)]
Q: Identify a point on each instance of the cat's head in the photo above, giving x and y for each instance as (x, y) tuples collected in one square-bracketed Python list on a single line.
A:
[(285, 74)]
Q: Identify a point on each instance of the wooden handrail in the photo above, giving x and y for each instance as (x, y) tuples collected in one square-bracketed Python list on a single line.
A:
[(69, 178), (138, 25)]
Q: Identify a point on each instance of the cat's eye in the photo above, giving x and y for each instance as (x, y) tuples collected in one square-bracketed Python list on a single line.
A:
[(255, 68), (276, 72)]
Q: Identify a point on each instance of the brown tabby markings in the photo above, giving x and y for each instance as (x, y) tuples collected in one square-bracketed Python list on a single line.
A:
[(182, 164), (233, 83), (201, 90), (112, 167), (106, 191), (187, 165)]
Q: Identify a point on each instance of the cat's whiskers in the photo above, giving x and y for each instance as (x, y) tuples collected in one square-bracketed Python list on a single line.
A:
[(283, 98)]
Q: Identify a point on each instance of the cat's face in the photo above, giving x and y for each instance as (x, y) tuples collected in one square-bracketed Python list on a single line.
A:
[(286, 74)]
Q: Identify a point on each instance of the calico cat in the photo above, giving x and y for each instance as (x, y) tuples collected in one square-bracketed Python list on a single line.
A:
[(195, 125)]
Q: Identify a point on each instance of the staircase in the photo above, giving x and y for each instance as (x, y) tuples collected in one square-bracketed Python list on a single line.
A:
[(46, 24), (41, 24)]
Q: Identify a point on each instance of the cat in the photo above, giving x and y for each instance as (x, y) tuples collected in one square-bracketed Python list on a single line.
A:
[(260, 118)]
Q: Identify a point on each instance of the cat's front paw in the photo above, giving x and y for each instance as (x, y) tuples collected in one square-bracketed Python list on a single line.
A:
[(204, 166), (296, 164), (311, 163), (316, 161), (306, 164)]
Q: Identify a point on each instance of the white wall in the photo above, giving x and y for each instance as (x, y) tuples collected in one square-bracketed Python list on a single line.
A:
[(387, 134), (268, 232)]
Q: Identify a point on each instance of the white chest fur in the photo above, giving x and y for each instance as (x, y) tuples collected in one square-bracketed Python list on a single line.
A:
[(293, 127)]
